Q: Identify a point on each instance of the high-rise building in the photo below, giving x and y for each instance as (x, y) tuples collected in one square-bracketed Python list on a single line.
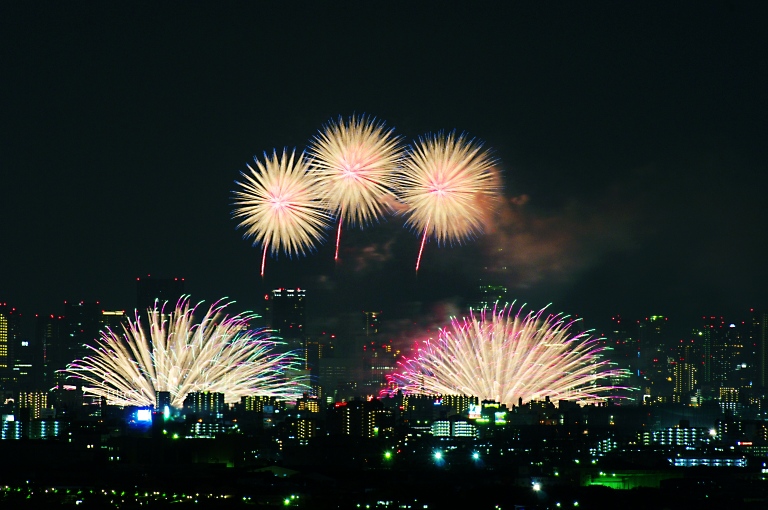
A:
[(10, 332), (712, 339), (371, 323), (360, 418), (685, 371), (24, 359), (204, 402), (759, 335), (489, 295), (49, 330), (655, 355), (150, 289), (82, 324), (113, 320), (32, 403), (287, 315)]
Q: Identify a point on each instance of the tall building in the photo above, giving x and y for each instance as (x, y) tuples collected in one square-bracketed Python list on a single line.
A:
[(204, 402), (82, 324), (655, 355), (371, 323), (24, 360), (759, 338), (113, 320), (488, 295), (685, 371), (360, 418), (150, 288), (712, 339), (287, 315), (32, 403), (10, 332), (49, 349)]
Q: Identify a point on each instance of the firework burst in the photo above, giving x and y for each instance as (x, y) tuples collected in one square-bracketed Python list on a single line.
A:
[(280, 206), (179, 355), (448, 185), (356, 163), (503, 356)]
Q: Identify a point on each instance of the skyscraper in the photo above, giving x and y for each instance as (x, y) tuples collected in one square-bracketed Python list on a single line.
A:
[(149, 289), (48, 333), (488, 295), (712, 336), (760, 336), (10, 326), (287, 310), (371, 323), (82, 324), (654, 355)]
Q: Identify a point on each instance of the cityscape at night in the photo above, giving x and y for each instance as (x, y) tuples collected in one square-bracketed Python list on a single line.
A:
[(415, 255)]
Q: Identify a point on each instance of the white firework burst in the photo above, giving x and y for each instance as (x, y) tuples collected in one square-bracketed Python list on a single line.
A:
[(280, 205), (449, 187), (504, 356), (180, 355), (355, 162)]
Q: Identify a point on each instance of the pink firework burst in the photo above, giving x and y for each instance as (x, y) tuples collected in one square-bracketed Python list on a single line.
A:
[(280, 205), (355, 162), (449, 186), (503, 355)]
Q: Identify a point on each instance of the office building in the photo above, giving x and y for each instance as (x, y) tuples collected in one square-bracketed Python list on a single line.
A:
[(287, 315), (10, 326), (150, 289)]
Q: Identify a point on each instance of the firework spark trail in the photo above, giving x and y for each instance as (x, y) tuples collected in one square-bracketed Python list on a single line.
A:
[(180, 355), (448, 185), (503, 356), (280, 205), (355, 162)]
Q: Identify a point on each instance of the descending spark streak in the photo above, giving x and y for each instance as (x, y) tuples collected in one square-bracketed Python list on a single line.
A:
[(500, 356), (421, 248), (355, 162), (338, 239), (448, 186), (179, 355), (280, 206)]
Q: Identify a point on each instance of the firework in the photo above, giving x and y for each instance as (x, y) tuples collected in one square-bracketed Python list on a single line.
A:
[(280, 205), (504, 356), (179, 355), (356, 163), (448, 185)]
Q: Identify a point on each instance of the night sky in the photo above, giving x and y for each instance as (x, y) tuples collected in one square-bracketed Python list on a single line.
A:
[(630, 136)]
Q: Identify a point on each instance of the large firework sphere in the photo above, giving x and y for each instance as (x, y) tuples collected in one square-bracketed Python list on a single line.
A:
[(355, 162), (448, 184), (180, 355), (503, 355), (279, 205), (449, 187)]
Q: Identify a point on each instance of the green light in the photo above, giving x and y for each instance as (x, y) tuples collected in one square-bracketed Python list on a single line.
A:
[(286, 501), (387, 455)]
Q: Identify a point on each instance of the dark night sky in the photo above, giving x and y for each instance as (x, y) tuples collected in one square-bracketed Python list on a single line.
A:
[(630, 136)]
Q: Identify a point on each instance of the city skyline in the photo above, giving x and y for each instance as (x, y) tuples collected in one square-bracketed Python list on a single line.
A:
[(628, 137)]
